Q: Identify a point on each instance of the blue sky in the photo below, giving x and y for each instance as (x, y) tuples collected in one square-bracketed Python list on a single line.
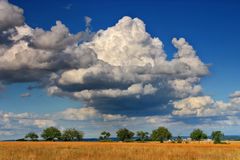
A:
[(212, 28)]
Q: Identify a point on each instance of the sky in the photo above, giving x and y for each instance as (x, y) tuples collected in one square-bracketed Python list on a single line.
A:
[(104, 65)]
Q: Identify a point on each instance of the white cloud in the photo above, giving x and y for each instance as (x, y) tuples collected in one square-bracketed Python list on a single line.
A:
[(139, 69), (87, 113), (192, 105), (187, 55), (121, 74), (135, 89), (10, 15), (112, 45), (236, 94), (235, 98), (185, 87), (119, 70), (123, 61), (11, 120), (6, 133), (57, 39), (84, 113), (40, 123), (203, 106), (111, 117)]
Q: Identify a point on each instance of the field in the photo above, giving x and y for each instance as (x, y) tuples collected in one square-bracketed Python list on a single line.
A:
[(117, 151)]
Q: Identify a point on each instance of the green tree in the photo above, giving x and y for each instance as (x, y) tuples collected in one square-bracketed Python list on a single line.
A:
[(105, 135), (72, 135), (217, 136), (142, 136), (124, 134), (32, 136), (161, 134), (51, 134), (197, 135)]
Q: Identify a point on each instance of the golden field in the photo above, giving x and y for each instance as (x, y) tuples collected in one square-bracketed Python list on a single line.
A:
[(117, 151)]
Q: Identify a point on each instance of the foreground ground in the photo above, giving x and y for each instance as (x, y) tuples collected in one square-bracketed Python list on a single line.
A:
[(116, 151)]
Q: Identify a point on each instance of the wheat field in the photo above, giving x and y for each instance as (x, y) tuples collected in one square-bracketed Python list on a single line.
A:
[(117, 151)]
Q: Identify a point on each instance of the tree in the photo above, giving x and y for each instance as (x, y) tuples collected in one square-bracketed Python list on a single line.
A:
[(51, 134), (217, 136), (124, 134), (72, 135), (32, 136), (142, 135), (105, 135), (197, 135), (161, 134)]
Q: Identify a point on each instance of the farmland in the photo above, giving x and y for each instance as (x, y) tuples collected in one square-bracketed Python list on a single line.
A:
[(117, 151)]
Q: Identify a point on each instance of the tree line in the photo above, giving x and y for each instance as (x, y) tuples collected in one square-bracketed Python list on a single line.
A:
[(160, 134)]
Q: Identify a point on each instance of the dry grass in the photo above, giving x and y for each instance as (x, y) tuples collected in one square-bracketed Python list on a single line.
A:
[(116, 151)]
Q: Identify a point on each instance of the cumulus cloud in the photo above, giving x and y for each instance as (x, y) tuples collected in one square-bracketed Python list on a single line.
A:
[(120, 74), (6, 133), (79, 114), (10, 16), (34, 54), (111, 117), (205, 106), (87, 113), (10, 120), (121, 71), (40, 123), (192, 105), (56, 39), (132, 73)]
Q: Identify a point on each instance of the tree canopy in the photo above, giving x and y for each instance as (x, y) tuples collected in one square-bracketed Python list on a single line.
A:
[(197, 135), (32, 135), (51, 134), (72, 135), (142, 136), (217, 136), (161, 134), (124, 134), (105, 135)]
